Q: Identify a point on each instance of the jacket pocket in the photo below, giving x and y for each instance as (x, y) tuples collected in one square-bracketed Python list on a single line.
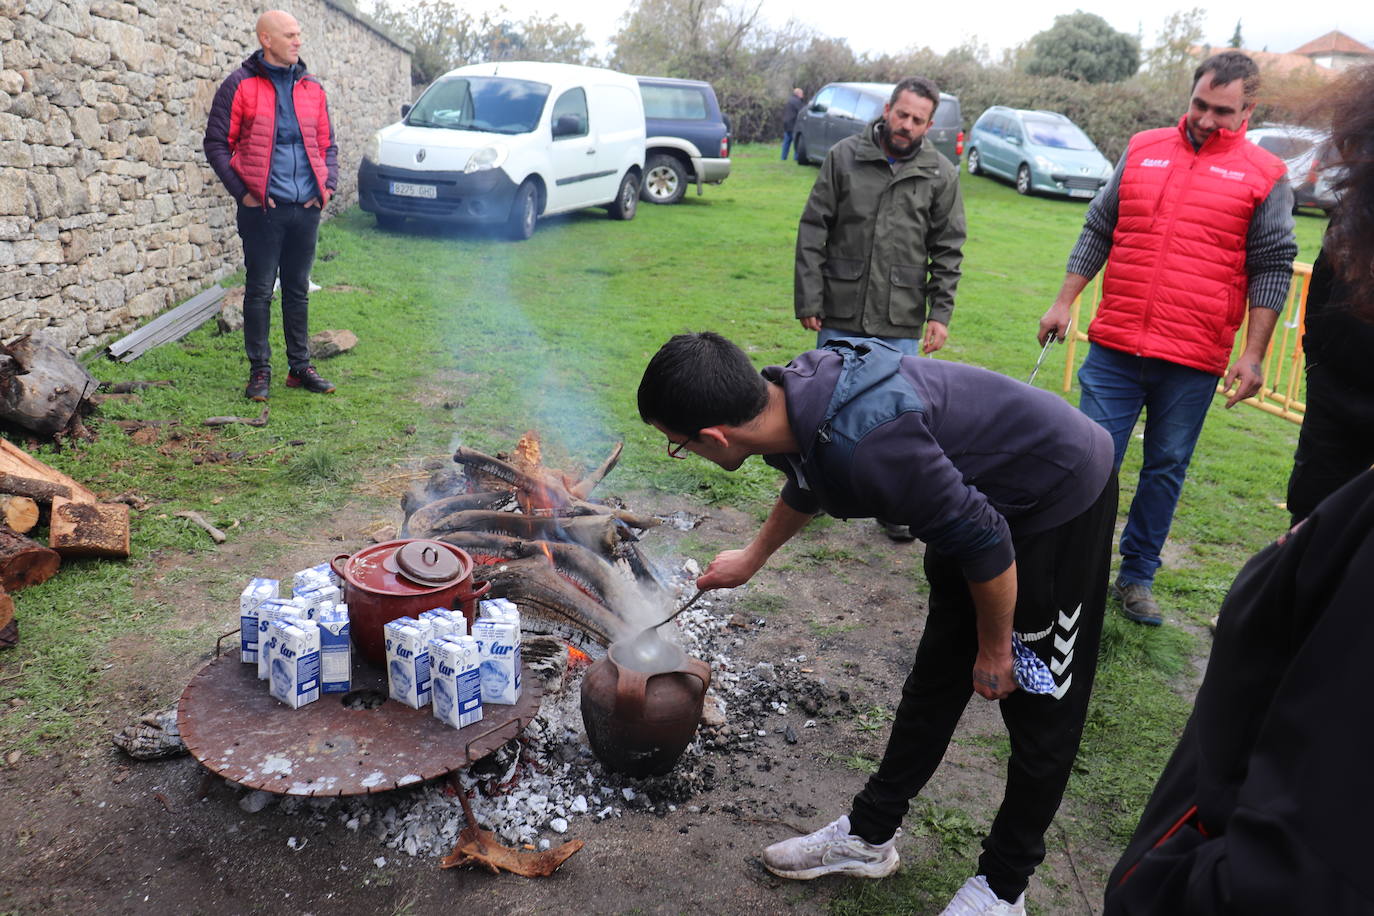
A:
[(842, 278), (906, 301)]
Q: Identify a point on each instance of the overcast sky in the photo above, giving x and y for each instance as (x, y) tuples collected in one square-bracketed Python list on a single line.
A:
[(872, 26)]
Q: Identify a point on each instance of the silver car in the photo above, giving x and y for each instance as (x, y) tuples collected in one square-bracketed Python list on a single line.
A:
[(1307, 154)]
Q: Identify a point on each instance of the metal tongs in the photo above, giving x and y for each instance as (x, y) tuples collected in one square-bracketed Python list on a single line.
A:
[(1044, 351), (691, 601)]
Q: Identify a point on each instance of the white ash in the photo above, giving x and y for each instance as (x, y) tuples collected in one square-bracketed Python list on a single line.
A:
[(533, 791)]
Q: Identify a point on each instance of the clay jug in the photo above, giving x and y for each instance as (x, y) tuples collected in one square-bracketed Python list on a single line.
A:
[(641, 704)]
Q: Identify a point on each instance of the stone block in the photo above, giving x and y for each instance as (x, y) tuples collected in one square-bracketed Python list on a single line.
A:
[(11, 127), (148, 303), (230, 318), (90, 53), (15, 154), (86, 126), (11, 82), (325, 344), (109, 295), (44, 190), (50, 156), (126, 42), (14, 193), (123, 12)]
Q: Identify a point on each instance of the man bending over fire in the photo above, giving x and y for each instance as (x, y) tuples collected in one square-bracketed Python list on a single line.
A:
[(1012, 491)]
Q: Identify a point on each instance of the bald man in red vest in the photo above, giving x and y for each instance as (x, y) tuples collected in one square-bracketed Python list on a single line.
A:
[(1195, 227)]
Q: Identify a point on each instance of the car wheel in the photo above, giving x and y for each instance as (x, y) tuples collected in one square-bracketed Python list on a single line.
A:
[(665, 180), (390, 221), (626, 199), (974, 165), (1023, 179), (802, 158), (524, 213)]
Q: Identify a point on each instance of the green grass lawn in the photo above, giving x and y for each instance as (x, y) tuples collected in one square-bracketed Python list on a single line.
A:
[(461, 333)]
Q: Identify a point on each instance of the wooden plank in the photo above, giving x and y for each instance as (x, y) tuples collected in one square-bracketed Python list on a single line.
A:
[(14, 460), (89, 529)]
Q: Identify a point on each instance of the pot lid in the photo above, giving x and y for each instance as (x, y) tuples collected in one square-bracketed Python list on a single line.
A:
[(428, 562)]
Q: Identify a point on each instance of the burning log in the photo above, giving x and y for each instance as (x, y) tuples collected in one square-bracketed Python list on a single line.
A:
[(428, 519), (552, 606), (600, 533), (581, 567)]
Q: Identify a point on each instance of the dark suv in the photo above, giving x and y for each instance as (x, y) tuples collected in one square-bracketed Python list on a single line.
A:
[(687, 139), (840, 110)]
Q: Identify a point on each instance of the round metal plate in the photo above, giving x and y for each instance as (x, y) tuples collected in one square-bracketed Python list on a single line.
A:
[(234, 727)]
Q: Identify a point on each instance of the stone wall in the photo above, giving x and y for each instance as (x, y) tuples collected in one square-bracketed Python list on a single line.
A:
[(109, 213)]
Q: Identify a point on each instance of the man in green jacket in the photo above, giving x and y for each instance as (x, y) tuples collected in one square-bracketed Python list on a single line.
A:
[(880, 241)]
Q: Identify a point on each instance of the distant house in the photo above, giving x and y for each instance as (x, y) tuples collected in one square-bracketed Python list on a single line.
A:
[(1336, 50)]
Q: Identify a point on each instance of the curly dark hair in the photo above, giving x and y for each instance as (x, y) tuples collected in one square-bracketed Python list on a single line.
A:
[(1350, 237)]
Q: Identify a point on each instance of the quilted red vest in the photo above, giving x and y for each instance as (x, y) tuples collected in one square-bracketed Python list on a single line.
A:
[(1175, 286), (253, 127)]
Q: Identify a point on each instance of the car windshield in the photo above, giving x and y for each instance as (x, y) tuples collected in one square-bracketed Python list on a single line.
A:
[(487, 103), (1056, 134)]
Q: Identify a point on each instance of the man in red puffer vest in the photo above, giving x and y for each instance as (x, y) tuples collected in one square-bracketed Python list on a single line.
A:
[(1195, 222), (270, 142)]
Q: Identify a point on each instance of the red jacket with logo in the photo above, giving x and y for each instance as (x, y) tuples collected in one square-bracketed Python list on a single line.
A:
[(1175, 285), (242, 128)]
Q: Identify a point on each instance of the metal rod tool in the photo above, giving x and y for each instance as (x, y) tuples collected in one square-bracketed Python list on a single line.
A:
[(690, 602)]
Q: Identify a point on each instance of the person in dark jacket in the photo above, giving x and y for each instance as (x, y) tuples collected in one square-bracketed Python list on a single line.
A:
[(795, 103), (1337, 438), (270, 141), (1012, 490)]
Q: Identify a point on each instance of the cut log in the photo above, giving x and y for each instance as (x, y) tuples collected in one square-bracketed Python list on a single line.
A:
[(19, 463), (89, 529), (41, 385), (39, 490), (24, 562), (9, 633), (20, 513)]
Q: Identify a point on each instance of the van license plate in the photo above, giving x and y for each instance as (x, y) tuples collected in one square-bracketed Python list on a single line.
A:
[(403, 189), (1073, 192)]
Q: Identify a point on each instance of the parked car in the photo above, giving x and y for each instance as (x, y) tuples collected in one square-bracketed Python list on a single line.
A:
[(507, 143), (687, 138), (1308, 155), (840, 110), (1041, 151)]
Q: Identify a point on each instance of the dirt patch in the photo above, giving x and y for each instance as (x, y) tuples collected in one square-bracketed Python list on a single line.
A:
[(837, 615)]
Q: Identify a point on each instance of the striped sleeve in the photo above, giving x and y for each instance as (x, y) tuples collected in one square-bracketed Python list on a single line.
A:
[(1270, 249), (1095, 242)]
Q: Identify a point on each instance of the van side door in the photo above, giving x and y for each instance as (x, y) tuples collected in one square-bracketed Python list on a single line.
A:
[(573, 155)]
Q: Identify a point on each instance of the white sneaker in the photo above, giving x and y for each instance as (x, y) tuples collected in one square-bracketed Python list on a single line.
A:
[(975, 898), (831, 850)]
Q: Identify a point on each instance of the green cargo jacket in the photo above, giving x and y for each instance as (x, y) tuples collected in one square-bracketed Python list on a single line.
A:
[(878, 251)]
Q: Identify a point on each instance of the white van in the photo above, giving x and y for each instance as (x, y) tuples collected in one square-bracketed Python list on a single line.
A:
[(507, 143)]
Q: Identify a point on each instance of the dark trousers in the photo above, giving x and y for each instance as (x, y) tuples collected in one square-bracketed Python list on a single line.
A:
[(1336, 444), (1061, 578), (277, 240)]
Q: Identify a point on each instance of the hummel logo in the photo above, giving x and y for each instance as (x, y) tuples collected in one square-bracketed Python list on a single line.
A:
[(1063, 645)]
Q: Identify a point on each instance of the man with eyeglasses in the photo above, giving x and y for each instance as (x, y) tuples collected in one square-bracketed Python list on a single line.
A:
[(1012, 490)]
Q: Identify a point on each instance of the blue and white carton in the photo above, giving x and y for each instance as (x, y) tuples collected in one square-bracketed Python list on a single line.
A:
[(498, 644), (407, 661), (255, 593), (320, 574), (336, 654), (444, 622), (294, 659), (315, 597), (457, 680), (270, 610)]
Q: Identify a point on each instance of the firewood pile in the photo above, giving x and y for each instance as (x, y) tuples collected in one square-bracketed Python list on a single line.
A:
[(79, 525), (572, 564)]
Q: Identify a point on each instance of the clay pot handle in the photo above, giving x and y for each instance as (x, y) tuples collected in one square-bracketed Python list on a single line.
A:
[(334, 565), (630, 687), (700, 670), (478, 592)]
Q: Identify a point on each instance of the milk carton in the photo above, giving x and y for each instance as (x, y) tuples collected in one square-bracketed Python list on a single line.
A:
[(321, 574), (443, 622), (336, 655), (295, 662), (457, 680), (255, 593), (314, 597), (498, 642), (274, 609), (407, 661)]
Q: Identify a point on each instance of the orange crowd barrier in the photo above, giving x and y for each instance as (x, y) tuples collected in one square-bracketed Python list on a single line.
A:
[(1281, 391)]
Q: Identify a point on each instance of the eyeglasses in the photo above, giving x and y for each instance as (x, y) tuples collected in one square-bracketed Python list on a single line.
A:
[(677, 449)]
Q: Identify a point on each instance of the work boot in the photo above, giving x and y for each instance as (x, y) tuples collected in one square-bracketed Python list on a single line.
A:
[(831, 850), (899, 533), (259, 384), (309, 379), (1138, 603), (975, 898)]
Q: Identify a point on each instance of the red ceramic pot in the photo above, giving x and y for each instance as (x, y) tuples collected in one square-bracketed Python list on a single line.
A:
[(403, 579)]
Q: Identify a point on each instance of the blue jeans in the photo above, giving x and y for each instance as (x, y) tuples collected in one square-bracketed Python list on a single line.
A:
[(909, 346), (787, 137), (278, 239), (1175, 398)]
